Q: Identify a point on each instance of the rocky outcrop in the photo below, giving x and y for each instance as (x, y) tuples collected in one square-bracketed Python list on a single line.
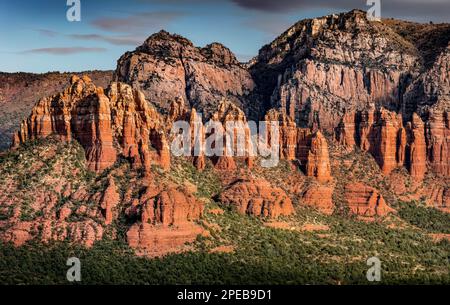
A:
[(439, 197), (365, 201), (110, 201), (171, 207), (168, 66), (138, 127), (120, 122), (337, 74), (384, 140), (382, 133), (365, 80), (81, 112), (417, 156), (258, 198), (319, 197), (318, 159), (152, 241), (431, 90), (166, 221), (429, 96), (287, 133), (322, 68), (438, 141), (20, 91), (227, 113), (310, 149)]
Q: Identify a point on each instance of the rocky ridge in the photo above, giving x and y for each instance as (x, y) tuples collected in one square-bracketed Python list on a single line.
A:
[(167, 67)]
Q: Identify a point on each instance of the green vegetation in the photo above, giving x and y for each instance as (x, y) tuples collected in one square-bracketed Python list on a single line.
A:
[(256, 253), (262, 255), (427, 218), (183, 171)]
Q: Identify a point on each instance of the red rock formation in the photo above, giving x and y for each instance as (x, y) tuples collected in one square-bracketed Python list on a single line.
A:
[(439, 197), (91, 126), (401, 146), (166, 221), (197, 140), (322, 68), (383, 139), (319, 197), (311, 150), (382, 134), (235, 128), (155, 241), (121, 122), (175, 68), (417, 149), (138, 126), (438, 133), (365, 201), (318, 165), (172, 207), (364, 136), (81, 112), (83, 105), (429, 96), (110, 201), (319, 72), (287, 133), (339, 68), (20, 91), (346, 131), (258, 198)]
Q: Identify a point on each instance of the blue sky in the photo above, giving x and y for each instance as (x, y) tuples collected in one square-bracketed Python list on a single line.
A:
[(36, 36)]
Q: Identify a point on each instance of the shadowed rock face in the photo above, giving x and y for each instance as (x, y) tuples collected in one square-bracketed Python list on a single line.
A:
[(168, 66)]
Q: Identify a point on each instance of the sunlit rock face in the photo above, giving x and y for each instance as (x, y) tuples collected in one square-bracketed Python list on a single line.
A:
[(322, 68), (169, 66)]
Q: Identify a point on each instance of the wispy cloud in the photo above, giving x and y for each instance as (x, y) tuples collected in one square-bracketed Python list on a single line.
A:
[(48, 33), (64, 51), (140, 22), (115, 40), (414, 9), (122, 40)]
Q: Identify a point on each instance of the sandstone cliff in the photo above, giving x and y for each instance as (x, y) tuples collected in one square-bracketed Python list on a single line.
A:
[(321, 68), (168, 66)]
